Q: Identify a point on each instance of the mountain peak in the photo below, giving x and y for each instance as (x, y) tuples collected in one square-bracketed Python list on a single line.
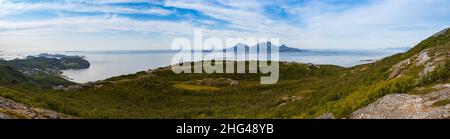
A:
[(268, 44)]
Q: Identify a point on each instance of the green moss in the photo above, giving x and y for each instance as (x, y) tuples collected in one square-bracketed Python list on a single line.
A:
[(366, 95), (423, 90), (441, 103), (196, 87)]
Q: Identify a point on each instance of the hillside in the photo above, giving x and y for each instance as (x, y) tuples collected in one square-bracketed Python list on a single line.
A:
[(13, 110), (43, 70), (9, 76), (303, 91), (47, 61), (430, 65)]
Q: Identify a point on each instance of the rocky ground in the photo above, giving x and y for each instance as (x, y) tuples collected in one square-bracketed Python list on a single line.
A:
[(431, 105), (423, 102), (4, 116), (13, 110)]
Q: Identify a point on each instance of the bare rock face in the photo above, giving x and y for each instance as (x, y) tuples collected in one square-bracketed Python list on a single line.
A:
[(5, 116), (422, 58), (404, 106), (398, 68), (12, 110), (327, 115), (429, 63)]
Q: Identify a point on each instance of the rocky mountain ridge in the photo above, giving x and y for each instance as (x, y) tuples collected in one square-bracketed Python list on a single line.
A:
[(264, 46)]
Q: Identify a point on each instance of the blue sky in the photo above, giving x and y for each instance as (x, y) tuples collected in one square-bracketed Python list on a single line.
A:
[(152, 24)]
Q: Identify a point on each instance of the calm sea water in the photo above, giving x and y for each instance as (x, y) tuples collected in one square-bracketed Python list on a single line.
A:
[(106, 64)]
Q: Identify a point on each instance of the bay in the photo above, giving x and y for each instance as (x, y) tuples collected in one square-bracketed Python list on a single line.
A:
[(106, 64)]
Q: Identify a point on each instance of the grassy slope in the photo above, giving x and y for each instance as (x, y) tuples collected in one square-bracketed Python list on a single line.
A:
[(9, 76), (42, 64), (12, 78), (163, 94)]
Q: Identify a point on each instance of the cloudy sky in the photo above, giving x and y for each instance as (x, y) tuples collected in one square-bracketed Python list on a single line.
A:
[(152, 24)]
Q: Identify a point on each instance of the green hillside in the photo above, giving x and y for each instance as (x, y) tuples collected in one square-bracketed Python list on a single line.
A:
[(40, 71), (9, 76), (303, 91)]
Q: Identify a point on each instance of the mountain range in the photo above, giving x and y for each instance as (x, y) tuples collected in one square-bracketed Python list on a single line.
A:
[(266, 46), (397, 48)]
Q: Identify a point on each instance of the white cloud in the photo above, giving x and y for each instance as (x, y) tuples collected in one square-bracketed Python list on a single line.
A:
[(387, 23), (376, 24), (8, 8), (96, 24), (246, 16)]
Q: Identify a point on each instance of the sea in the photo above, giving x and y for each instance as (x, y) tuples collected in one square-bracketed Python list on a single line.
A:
[(106, 64)]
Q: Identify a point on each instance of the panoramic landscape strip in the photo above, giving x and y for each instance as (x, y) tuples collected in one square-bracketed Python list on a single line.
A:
[(225, 67)]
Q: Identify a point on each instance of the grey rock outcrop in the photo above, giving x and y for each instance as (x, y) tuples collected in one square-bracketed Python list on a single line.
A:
[(417, 61), (327, 115), (13, 110), (405, 106), (4, 116)]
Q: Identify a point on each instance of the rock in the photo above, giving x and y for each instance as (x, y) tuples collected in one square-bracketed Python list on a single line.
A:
[(74, 87), (404, 106), (397, 69), (58, 87), (13, 110), (288, 99), (5, 116), (430, 64), (95, 85), (422, 60), (327, 115), (427, 69)]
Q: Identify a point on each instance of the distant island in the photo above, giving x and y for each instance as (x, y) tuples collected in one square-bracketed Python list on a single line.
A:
[(51, 61), (396, 48), (58, 56), (260, 46)]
